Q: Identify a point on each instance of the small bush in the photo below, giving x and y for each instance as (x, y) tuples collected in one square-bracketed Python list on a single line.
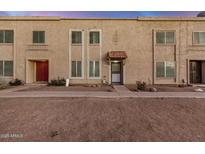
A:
[(57, 82), (141, 85), (15, 82)]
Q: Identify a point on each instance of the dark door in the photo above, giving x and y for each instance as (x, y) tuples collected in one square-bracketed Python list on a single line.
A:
[(195, 72), (116, 72), (42, 71)]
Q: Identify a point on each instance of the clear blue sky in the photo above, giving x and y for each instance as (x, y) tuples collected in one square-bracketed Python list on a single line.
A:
[(99, 14)]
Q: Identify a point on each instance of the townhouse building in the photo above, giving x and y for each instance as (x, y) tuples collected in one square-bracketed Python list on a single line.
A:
[(157, 50)]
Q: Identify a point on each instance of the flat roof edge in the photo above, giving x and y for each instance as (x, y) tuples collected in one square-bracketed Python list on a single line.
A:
[(180, 18), (57, 18), (29, 18)]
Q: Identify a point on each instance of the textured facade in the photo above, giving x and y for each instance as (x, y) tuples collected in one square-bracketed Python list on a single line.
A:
[(160, 50)]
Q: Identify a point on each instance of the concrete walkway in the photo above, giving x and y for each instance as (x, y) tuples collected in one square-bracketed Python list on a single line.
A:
[(121, 92), (122, 89)]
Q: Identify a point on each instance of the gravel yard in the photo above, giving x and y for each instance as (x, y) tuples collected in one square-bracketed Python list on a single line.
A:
[(104, 88), (98, 119), (166, 88)]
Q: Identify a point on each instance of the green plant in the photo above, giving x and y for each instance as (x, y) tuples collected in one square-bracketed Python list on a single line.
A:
[(57, 82), (141, 85), (15, 82)]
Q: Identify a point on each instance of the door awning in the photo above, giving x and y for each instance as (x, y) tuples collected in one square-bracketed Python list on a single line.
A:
[(117, 55)]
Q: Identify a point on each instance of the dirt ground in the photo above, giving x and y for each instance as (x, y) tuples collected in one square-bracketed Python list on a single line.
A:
[(98, 119), (104, 88), (166, 88)]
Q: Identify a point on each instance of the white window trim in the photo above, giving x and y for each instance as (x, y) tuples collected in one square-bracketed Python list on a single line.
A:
[(3, 74), (4, 36), (93, 71), (165, 39), (165, 69), (78, 30), (70, 54), (76, 66), (93, 30), (45, 40), (100, 57), (193, 38)]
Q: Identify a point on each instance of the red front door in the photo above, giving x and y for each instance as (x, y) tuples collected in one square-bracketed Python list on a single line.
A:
[(42, 71)]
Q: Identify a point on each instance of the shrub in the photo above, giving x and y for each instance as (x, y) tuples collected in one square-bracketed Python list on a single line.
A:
[(57, 82), (15, 82), (141, 85)]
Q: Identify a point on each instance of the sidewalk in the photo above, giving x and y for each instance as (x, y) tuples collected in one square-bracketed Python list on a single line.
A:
[(121, 92), (103, 94)]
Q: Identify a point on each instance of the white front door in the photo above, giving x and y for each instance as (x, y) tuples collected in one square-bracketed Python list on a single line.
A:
[(116, 72)]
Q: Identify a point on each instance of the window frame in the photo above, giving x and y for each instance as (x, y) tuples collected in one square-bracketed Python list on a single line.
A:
[(4, 36), (91, 31), (3, 71), (197, 44), (165, 38), (76, 77), (44, 37), (94, 77), (165, 70), (72, 37)]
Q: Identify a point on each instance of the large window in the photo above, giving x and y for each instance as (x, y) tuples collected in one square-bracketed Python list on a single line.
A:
[(6, 36), (6, 68), (94, 69), (163, 37), (76, 69), (76, 37), (165, 69), (94, 37), (38, 37), (198, 37)]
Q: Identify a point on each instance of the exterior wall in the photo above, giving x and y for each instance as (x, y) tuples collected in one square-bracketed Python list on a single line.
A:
[(136, 37)]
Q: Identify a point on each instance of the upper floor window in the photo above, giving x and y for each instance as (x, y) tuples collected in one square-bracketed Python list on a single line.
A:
[(165, 69), (6, 68), (165, 37), (94, 37), (198, 37), (76, 37), (6, 36), (38, 36)]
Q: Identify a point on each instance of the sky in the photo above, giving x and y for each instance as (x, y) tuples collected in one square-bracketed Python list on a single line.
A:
[(98, 14)]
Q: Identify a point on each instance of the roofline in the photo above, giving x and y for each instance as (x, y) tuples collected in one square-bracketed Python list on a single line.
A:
[(57, 18), (179, 18), (98, 18), (29, 18)]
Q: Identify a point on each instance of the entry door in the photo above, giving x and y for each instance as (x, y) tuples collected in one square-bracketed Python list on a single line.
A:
[(116, 72), (195, 72), (42, 71)]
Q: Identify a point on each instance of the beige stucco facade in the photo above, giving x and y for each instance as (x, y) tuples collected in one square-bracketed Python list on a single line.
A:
[(134, 36)]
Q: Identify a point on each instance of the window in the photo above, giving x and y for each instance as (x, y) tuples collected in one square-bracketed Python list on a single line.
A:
[(6, 68), (76, 37), (6, 36), (198, 37), (165, 69), (160, 69), (165, 37), (76, 69), (38, 37), (94, 37), (94, 69), (1, 68)]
